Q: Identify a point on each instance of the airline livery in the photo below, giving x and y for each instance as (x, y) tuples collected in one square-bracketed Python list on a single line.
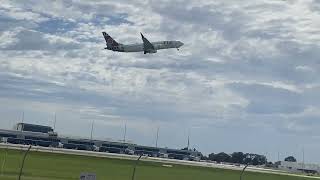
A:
[(145, 47)]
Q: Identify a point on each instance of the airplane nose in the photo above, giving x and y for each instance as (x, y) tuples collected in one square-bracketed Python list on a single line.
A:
[(180, 44)]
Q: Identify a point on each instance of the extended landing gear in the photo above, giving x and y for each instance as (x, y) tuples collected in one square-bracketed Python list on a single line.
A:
[(178, 49)]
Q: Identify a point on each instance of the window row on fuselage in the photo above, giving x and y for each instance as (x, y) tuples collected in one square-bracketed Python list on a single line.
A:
[(167, 42)]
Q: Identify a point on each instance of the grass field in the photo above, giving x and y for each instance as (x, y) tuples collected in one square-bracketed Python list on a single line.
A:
[(49, 166)]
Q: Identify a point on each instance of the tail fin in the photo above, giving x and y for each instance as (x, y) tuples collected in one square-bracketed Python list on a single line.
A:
[(109, 40)]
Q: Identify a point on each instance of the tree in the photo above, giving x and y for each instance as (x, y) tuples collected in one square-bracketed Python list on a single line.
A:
[(259, 160), (211, 156), (290, 159), (222, 157), (237, 157), (269, 164), (277, 164), (248, 158), (254, 159), (203, 157)]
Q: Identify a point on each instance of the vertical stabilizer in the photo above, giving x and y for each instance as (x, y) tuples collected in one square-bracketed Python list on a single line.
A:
[(109, 40)]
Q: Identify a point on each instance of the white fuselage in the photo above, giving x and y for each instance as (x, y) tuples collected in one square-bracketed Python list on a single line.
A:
[(140, 48)]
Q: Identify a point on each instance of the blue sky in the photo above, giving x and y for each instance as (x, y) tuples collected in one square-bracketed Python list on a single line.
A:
[(247, 78)]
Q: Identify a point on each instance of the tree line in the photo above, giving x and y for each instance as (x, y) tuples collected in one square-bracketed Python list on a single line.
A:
[(242, 158), (237, 158)]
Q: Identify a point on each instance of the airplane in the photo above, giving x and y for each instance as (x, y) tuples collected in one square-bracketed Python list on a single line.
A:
[(145, 47)]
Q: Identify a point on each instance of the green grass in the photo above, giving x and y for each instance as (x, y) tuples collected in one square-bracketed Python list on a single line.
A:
[(49, 166)]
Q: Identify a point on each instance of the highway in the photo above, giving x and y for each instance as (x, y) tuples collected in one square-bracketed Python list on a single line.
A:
[(150, 159)]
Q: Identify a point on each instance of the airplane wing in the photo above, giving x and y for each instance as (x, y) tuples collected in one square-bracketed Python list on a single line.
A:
[(147, 46)]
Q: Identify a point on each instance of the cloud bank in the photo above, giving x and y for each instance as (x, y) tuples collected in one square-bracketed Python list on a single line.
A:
[(248, 70)]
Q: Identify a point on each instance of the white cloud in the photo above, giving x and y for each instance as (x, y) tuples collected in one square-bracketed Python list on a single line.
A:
[(9, 10), (21, 39), (304, 68), (7, 38)]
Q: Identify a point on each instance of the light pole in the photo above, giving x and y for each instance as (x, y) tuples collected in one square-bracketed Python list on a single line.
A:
[(303, 165), (22, 121), (91, 130), (157, 137), (125, 132), (55, 121), (188, 145)]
